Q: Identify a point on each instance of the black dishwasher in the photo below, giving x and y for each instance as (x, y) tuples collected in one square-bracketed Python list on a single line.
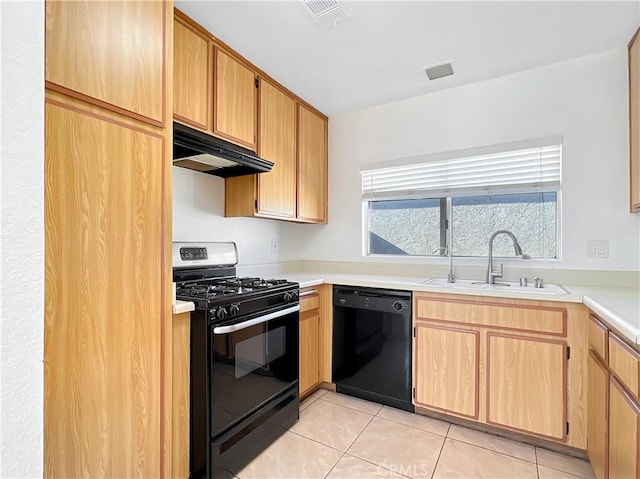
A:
[(372, 344)]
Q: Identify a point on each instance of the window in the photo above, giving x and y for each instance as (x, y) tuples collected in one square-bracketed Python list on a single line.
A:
[(424, 207)]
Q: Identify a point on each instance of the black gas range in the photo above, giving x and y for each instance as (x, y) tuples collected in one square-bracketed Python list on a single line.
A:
[(244, 357)]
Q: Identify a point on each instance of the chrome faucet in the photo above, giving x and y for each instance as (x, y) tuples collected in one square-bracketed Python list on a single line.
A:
[(491, 274), (450, 276)]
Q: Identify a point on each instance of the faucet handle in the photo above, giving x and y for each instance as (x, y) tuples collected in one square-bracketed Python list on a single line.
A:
[(538, 282), (497, 274)]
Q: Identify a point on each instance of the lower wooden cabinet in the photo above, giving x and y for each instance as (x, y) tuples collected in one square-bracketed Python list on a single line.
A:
[(447, 369), (624, 427), (309, 351), (310, 340), (598, 410), (181, 364), (613, 426), (527, 384), (503, 362)]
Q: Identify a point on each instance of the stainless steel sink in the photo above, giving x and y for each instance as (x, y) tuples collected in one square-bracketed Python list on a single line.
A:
[(470, 285)]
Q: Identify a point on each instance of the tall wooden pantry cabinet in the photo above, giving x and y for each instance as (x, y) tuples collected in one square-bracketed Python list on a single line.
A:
[(108, 127)]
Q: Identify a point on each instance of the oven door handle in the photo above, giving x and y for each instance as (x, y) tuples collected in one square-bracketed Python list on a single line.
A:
[(252, 322)]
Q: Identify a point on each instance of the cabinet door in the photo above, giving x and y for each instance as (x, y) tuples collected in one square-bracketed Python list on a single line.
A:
[(312, 166), (527, 384), (277, 189), (108, 52), (309, 350), (447, 369), (598, 406), (624, 427), (634, 121), (235, 102), (192, 90), (103, 297)]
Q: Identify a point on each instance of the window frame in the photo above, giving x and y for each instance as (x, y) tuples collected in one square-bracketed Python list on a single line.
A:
[(446, 230)]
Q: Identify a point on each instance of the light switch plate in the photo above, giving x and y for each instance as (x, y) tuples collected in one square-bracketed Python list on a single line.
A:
[(602, 249), (596, 249), (274, 246)]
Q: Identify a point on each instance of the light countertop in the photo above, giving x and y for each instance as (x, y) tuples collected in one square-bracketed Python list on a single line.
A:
[(183, 307), (619, 307)]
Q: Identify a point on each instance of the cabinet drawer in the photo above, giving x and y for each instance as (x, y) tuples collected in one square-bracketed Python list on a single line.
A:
[(625, 363), (530, 318), (598, 337), (309, 300)]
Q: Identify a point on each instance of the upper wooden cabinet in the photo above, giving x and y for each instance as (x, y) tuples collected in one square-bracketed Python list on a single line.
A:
[(217, 91), (294, 138), (116, 62), (634, 122), (312, 166), (192, 81), (235, 109), (277, 143)]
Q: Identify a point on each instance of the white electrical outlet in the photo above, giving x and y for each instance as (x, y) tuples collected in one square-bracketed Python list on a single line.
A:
[(274, 246), (596, 249)]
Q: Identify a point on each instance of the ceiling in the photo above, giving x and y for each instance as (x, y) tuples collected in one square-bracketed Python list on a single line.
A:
[(379, 55)]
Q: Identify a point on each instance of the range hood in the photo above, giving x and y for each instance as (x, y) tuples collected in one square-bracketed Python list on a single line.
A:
[(196, 150)]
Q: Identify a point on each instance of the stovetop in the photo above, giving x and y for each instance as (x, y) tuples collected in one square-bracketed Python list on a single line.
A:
[(226, 299), (205, 274), (216, 287)]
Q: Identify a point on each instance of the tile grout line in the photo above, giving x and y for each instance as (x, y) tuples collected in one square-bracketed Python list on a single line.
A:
[(493, 450), (348, 407), (414, 427), (316, 441), (377, 465), (435, 466), (352, 443), (560, 470)]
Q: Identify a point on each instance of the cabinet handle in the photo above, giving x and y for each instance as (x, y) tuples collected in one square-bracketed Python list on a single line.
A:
[(308, 293)]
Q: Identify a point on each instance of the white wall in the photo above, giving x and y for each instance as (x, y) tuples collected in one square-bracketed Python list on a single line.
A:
[(22, 246), (198, 215), (584, 100)]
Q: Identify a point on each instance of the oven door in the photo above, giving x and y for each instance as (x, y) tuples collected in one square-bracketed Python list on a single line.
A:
[(253, 361)]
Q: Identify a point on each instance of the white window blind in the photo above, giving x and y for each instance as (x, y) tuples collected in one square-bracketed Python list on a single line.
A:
[(523, 170)]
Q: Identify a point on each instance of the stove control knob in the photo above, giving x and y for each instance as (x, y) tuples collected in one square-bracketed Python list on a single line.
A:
[(221, 313), (234, 309), (295, 295), (288, 297)]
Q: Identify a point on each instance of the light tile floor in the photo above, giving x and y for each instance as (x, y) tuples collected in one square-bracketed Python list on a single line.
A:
[(341, 437)]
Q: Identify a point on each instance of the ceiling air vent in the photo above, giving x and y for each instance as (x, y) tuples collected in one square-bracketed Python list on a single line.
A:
[(439, 71), (327, 13)]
